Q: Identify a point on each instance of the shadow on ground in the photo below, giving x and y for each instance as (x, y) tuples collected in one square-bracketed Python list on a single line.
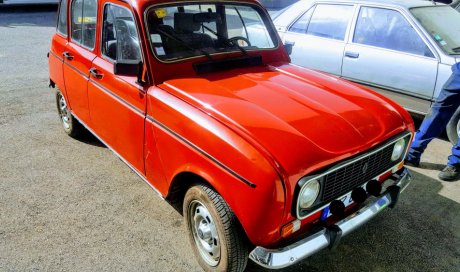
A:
[(37, 15), (420, 234)]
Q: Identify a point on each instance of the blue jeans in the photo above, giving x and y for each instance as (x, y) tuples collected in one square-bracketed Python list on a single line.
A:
[(436, 121)]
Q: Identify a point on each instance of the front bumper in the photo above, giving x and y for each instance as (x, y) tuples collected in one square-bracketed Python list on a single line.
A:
[(330, 236)]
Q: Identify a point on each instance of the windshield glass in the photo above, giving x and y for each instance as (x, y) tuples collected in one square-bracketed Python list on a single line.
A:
[(443, 23), (182, 31)]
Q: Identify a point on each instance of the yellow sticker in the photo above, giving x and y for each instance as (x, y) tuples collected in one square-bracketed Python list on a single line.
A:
[(86, 19), (161, 13)]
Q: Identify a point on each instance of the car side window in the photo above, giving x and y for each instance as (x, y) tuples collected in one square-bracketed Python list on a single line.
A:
[(83, 22), (388, 29), (120, 40), (301, 25), (62, 19), (330, 21)]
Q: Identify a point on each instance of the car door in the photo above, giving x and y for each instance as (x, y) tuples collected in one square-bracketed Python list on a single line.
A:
[(58, 45), (387, 53), (79, 54), (318, 37), (117, 103)]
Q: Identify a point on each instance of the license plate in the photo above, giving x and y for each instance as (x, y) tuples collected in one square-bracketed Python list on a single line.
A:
[(346, 199)]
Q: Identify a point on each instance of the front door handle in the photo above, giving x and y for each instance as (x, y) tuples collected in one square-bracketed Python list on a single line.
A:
[(67, 55), (353, 55), (95, 73)]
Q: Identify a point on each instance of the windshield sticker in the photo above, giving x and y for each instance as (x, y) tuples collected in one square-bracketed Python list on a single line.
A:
[(440, 40), (160, 51)]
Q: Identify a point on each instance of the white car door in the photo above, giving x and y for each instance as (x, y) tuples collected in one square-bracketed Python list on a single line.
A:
[(318, 37), (388, 54)]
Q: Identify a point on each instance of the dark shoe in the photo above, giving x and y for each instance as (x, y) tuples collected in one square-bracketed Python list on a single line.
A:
[(449, 173), (412, 163)]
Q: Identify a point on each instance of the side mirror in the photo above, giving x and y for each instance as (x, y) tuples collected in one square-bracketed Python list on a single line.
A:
[(129, 68), (288, 47)]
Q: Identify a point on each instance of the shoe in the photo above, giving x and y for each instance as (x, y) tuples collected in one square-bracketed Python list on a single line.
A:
[(449, 173), (412, 163)]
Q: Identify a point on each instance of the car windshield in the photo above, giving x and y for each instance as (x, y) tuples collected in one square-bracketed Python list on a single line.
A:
[(184, 30), (443, 23)]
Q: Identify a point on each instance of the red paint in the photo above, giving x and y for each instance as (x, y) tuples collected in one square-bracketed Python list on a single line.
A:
[(268, 126)]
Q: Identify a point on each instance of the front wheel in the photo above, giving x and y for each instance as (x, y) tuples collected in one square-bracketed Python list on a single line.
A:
[(453, 127), (215, 234)]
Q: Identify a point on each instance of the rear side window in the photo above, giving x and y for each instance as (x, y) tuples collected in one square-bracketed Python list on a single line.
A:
[(388, 29), (83, 22), (119, 35), (301, 25), (62, 19), (330, 21)]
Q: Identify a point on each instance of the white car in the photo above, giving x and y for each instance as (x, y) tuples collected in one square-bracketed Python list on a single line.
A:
[(403, 49)]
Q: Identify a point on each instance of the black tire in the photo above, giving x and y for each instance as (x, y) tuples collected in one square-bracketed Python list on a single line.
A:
[(231, 239), (71, 126), (453, 127)]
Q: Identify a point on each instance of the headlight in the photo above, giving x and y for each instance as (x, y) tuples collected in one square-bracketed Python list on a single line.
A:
[(308, 194), (398, 150)]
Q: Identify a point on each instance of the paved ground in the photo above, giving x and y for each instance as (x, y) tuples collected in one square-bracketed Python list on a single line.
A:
[(67, 205)]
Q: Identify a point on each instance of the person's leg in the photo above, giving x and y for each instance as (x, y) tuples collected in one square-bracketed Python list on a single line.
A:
[(452, 171), (434, 123)]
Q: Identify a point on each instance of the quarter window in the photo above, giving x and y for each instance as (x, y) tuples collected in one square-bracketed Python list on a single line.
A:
[(119, 36), (83, 22), (302, 24), (388, 29), (62, 20), (330, 21)]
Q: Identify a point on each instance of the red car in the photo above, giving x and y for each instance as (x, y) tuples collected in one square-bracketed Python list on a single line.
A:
[(264, 159)]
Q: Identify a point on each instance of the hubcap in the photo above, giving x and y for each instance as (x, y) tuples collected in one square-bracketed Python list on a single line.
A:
[(64, 112), (204, 233), (458, 128)]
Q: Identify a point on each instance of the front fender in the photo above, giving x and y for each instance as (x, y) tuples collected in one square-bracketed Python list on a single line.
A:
[(188, 140)]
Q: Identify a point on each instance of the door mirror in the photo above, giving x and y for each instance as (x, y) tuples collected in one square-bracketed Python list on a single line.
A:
[(127, 67), (288, 47)]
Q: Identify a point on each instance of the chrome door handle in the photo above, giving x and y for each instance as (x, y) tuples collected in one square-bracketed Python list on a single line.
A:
[(95, 73), (67, 55), (353, 55)]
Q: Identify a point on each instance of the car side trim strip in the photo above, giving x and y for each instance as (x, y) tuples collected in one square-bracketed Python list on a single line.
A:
[(77, 70), (204, 153), (118, 98), (57, 56)]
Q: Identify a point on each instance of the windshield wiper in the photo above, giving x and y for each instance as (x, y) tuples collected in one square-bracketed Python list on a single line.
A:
[(227, 40), (456, 49), (182, 42)]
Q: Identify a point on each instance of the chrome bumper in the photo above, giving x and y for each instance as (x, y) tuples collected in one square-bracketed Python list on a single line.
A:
[(330, 237)]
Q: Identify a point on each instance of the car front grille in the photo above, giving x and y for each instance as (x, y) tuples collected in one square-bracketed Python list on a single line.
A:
[(345, 179)]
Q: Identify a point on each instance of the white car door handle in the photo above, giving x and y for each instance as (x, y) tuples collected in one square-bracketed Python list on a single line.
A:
[(353, 55)]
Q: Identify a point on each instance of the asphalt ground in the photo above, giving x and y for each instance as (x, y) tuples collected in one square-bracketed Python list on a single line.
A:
[(68, 205)]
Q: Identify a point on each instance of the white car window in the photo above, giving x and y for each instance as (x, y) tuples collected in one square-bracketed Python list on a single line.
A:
[(302, 24), (388, 29), (330, 21)]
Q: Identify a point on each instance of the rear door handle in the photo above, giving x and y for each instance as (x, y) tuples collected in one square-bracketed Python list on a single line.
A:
[(353, 55), (95, 73), (67, 55)]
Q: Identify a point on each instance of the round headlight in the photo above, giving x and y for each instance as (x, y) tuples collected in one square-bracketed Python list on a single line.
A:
[(308, 194), (398, 150)]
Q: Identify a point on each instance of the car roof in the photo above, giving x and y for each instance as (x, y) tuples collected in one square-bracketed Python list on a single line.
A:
[(393, 3)]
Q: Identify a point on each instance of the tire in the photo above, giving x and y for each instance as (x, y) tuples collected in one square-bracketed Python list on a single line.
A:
[(216, 236), (453, 127), (71, 126)]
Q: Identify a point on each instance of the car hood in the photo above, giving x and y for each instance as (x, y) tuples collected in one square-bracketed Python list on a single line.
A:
[(302, 120)]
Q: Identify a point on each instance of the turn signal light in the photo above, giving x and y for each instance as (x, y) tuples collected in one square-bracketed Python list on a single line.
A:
[(290, 228)]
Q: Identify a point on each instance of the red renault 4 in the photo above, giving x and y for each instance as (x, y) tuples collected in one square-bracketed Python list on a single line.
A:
[(266, 160)]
